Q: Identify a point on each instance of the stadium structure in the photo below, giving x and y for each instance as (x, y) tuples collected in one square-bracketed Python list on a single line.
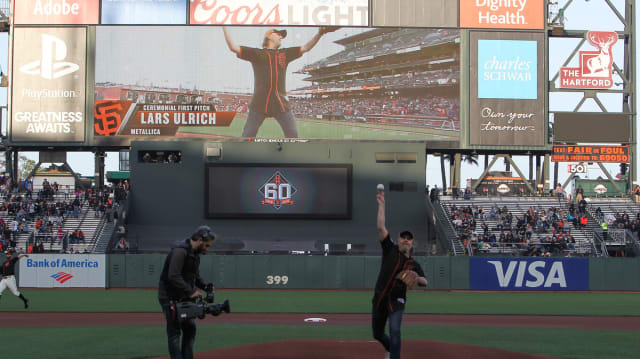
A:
[(390, 76)]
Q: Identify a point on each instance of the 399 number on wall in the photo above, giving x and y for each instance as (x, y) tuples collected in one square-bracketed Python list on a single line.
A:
[(277, 280)]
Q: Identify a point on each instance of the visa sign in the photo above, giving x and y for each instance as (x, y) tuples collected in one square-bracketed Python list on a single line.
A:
[(529, 274)]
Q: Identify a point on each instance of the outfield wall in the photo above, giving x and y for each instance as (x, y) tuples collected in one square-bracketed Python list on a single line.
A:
[(360, 272)]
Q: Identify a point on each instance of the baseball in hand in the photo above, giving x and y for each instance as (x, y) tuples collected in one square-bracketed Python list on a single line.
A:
[(380, 187)]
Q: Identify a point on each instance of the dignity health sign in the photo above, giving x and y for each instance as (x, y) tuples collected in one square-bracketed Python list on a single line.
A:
[(502, 14), (63, 270), (534, 273)]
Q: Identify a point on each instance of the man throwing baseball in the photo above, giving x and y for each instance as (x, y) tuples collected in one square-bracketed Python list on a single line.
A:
[(269, 78), (397, 273), (8, 276)]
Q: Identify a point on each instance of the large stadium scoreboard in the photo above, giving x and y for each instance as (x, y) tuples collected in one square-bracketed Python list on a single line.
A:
[(469, 74)]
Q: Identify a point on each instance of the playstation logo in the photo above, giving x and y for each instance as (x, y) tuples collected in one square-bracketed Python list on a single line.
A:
[(50, 66)]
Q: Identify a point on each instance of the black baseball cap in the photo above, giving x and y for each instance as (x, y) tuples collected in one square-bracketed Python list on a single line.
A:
[(407, 234), (282, 33), (203, 232)]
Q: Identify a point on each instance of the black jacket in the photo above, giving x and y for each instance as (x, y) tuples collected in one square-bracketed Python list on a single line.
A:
[(180, 274)]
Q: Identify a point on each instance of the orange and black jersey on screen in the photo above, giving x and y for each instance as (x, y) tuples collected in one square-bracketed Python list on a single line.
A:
[(269, 77), (392, 292), (8, 266)]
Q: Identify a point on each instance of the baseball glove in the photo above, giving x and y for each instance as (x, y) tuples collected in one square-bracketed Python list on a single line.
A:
[(326, 29), (408, 277)]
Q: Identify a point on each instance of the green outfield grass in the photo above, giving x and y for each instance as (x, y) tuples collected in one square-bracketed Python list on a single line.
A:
[(327, 301), (312, 128), (145, 341)]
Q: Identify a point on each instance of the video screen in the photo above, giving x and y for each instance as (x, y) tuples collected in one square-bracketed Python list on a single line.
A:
[(278, 191), (338, 83)]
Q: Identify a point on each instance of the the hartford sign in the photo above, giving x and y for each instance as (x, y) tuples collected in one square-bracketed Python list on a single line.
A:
[(595, 67), (529, 274)]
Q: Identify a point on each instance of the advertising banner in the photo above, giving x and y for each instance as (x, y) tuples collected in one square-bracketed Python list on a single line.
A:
[(280, 12), (507, 89), (63, 271), (144, 12), (49, 85), (56, 12), (535, 274), (595, 70), (353, 84), (577, 153), (515, 14), (278, 191)]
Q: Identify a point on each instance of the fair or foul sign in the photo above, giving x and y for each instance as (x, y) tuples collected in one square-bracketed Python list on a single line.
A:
[(595, 67)]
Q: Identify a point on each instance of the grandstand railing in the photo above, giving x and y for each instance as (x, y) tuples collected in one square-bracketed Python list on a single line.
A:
[(446, 235)]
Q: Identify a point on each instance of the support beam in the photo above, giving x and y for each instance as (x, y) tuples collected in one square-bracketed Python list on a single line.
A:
[(524, 179), (484, 173)]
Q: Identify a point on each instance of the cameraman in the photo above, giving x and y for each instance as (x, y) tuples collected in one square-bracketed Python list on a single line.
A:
[(179, 281)]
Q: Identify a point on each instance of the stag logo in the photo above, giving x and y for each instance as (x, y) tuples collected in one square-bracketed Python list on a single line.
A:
[(599, 64), (595, 71)]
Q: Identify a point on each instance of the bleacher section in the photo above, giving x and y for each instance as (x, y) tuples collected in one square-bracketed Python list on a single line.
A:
[(622, 216), (86, 221), (518, 207)]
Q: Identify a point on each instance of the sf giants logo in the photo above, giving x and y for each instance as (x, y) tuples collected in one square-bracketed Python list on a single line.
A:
[(282, 60), (277, 191), (108, 116)]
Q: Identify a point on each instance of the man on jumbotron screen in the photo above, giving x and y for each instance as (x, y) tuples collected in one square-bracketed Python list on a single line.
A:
[(269, 77)]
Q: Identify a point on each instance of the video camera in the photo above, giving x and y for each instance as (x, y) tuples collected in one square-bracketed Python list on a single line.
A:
[(188, 309)]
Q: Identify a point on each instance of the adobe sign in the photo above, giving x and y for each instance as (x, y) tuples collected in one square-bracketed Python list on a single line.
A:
[(54, 12), (595, 67), (497, 14)]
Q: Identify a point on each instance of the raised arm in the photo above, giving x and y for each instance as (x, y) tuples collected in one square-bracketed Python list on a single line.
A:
[(382, 229), (314, 40), (232, 45)]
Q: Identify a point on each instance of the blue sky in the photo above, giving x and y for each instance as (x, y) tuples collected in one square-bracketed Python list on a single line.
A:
[(582, 14)]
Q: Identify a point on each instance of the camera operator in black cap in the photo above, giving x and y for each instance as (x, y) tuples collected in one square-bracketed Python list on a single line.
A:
[(180, 281)]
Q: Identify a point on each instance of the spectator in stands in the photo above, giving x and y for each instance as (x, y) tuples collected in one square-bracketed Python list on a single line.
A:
[(122, 244), (559, 191), (81, 237), (435, 194), (269, 69), (454, 192)]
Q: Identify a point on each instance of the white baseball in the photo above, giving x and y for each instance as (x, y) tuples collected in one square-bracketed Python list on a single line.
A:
[(380, 187)]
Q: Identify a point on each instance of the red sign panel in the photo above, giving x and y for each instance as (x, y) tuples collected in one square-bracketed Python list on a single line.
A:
[(54, 12), (575, 153), (595, 71)]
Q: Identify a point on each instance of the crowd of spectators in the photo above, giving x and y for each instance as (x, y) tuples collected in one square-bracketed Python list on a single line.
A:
[(383, 105), (389, 42), (537, 232), (42, 215)]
